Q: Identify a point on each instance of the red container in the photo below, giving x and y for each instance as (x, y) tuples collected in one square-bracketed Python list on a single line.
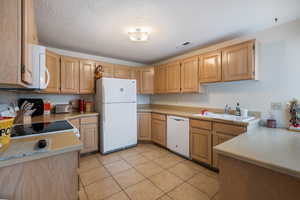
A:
[(81, 105)]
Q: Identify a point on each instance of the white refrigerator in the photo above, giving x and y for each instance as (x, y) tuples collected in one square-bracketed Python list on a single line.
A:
[(116, 103)]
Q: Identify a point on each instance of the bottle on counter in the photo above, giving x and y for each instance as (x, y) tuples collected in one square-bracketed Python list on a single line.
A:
[(238, 109), (81, 105), (47, 107)]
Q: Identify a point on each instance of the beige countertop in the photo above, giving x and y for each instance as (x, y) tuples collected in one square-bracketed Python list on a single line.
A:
[(275, 149), (190, 114), (60, 143)]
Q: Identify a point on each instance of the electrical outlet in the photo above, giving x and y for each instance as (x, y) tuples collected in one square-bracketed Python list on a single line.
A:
[(276, 106)]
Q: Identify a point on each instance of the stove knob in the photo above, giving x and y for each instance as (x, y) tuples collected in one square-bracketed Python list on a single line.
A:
[(42, 144)]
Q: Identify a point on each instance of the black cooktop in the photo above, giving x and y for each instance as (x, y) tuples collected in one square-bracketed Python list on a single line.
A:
[(40, 128)]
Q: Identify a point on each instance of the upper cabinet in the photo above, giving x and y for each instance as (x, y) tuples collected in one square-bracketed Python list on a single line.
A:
[(87, 81), (238, 62), (189, 75), (106, 68), (210, 69), (173, 77), (18, 31), (160, 84), (53, 65), (146, 80), (123, 72), (69, 75)]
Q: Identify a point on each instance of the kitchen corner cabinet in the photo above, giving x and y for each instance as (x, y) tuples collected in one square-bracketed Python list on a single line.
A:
[(173, 77), (238, 62), (144, 126), (189, 75), (18, 31), (53, 65), (69, 75), (222, 133), (158, 129), (106, 68), (210, 68), (146, 80), (200, 140), (89, 134), (86, 77), (160, 73)]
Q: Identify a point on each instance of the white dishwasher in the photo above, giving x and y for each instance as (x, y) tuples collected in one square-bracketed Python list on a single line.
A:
[(178, 135)]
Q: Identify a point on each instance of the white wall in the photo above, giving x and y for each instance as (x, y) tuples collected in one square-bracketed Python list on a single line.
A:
[(279, 78)]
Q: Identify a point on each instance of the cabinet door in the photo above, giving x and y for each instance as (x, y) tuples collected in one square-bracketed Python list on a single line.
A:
[(147, 80), (10, 40), (238, 62), (106, 68), (189, 75), (121, 71), (201, 145), (29, 36), (218, 139), (69, 75), (158, 131), (160, 79), (89, 134), (53, 65), (144, 126), (138, 81), (87, 81), (210, 69), (173, 77)]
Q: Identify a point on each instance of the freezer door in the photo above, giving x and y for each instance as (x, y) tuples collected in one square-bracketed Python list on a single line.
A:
[(119, 126), (118, 90)]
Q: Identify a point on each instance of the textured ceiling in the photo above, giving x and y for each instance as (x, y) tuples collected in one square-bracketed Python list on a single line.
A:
[(100, 27)]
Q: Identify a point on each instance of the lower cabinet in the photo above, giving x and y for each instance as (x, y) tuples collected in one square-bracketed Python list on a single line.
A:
[(200, 141), (89, 134), (222, 133), (158, 129), (144, 126)]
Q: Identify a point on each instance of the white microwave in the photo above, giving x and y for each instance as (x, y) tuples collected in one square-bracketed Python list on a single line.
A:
[(40, 74)]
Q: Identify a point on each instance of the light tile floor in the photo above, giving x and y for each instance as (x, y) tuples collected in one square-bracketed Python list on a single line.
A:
[(145, 172)]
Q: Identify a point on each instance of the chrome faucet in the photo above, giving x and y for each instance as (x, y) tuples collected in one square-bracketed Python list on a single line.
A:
[(227, 109)]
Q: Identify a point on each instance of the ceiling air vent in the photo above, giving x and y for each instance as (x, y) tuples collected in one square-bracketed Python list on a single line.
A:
[(183, 45)]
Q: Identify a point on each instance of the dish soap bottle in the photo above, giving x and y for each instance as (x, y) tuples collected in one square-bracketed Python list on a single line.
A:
[(237, 109)]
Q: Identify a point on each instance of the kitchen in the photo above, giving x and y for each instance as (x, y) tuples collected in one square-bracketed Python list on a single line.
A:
[(127, 109)]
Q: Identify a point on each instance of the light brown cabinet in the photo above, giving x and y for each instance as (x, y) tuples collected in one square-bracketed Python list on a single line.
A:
[(53, 65), (238, 62), (144, 126), (86, 77), (158, 129), (146, 80), (222, 133), (69, 75), (210, 68), (106, 68), (18, 31), (160, 85), (189, 75), (173, 77), (89, 134), (200, 140), (123, 72)]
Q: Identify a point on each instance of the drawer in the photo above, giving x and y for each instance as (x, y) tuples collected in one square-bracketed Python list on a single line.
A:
[(158, 116), (228, 129), (201, 124), (89, 120)]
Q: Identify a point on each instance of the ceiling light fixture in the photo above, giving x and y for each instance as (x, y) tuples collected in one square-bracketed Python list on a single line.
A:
[(139, 34)]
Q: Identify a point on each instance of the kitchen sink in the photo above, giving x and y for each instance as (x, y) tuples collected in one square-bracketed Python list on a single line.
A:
[(225, 117)]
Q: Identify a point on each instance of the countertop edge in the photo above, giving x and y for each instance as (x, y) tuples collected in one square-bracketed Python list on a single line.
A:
[(190, 115), (38, 156)]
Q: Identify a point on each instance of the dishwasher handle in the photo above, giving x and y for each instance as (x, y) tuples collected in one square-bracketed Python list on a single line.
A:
[(179, 119)]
